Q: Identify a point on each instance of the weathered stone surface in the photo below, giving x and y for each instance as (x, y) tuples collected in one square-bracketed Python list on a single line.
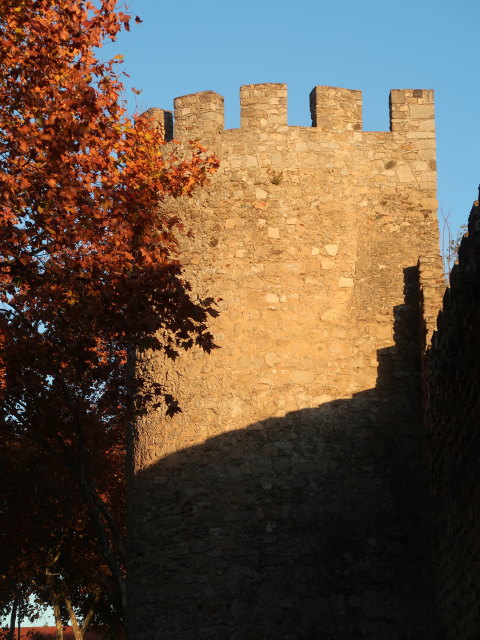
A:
[(294, 502), (451, 371)]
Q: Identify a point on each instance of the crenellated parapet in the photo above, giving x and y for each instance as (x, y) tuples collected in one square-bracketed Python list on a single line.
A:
[(403, 158), (198, 114), (263, 107), (163, 120), (334, 109), (412, 113)]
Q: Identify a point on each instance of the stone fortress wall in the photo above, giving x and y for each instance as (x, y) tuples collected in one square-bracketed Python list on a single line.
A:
[(288, 498), (451, 372)]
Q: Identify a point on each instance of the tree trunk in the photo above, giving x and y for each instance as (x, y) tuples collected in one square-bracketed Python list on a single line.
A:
[(13, 619), (95, 507), (58, 620), (56, 607), (91, 611), (77, 631)]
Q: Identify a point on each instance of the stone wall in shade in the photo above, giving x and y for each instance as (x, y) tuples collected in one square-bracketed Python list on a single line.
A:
[(451, 375), (288, 499)]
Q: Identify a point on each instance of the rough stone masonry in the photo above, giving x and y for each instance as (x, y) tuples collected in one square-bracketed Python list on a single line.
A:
[(451, 374), (288, 499)]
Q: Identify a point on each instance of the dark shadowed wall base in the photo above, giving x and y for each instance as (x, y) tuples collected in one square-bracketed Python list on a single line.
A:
[(452, 412)]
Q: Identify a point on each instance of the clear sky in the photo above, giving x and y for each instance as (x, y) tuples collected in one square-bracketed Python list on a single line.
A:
[(371, 45)]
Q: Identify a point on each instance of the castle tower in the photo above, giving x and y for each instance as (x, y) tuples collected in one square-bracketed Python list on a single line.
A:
[(287, 500)]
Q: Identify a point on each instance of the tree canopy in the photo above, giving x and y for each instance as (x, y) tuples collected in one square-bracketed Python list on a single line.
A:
[(88, 271)]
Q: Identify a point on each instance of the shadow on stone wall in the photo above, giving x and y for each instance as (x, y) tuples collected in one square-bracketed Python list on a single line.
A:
[(309, 525), (452, 421)]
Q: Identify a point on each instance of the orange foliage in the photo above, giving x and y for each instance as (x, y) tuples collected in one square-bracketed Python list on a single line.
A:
[(88, 266)]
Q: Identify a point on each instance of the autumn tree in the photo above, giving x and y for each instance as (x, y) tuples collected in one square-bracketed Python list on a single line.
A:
[(88, 267), (48, 548)]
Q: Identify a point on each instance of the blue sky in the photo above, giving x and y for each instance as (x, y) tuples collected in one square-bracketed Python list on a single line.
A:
[(371, 45)]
